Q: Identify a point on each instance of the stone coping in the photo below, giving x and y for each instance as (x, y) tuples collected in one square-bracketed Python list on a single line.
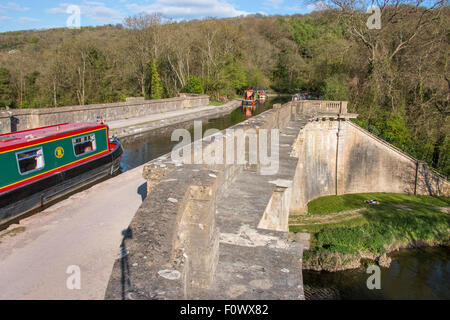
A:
[(129, 103), (156, 247)]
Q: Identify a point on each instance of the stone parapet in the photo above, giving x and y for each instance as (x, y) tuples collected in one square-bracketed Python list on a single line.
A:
[(5, 121), (32, 118), (181, 208)]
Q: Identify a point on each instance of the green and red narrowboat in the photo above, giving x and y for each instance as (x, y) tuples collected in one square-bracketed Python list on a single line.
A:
[(41, 165)]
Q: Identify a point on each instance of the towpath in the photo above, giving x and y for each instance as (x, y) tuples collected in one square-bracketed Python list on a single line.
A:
[(84, 230)]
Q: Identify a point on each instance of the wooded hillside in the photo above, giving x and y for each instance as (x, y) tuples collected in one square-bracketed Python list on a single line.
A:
[(396, 78)]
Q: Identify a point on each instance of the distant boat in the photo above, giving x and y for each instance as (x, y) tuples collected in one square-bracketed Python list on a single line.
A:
[(261, 95), (249, 96), (41, 165)]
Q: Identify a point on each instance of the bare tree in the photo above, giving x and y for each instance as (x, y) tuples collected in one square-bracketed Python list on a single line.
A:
[(396, 32), (144, 43)]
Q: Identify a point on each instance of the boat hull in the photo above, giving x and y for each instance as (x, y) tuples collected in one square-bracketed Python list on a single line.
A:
[(20, 201)]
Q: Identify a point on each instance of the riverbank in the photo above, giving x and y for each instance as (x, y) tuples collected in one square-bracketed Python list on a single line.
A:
[(346, 231)]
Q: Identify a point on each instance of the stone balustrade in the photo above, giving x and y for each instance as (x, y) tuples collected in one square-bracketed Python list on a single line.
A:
[(323, 106)]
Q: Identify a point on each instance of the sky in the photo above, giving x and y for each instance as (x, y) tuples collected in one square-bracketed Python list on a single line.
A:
[(45, 14)]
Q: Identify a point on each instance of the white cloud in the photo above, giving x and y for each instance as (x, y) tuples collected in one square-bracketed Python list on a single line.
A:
[(94, 10), (13, 6), (28, 20), (274, 3), (93, 3), (317, 6), (188, 9), (5, 18)]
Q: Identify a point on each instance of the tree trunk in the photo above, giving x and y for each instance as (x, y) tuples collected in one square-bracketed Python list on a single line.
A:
[(54, 93), (437, 151)]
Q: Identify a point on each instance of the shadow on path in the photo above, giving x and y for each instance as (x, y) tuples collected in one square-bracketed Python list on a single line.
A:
[(124, 264), (142, 191)]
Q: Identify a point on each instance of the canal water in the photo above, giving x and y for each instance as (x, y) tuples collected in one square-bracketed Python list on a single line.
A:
[(414, 274), (143, 148)]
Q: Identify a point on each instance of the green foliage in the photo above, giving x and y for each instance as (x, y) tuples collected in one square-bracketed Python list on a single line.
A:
[(396, 132), (31, 93), (255, 78), (334, 88), (234, 77), (194, 85), (156, 88), (392, 128), (229, 79), (5, 87), (399, 218), (286, 76), (305, 31), (445, 160)]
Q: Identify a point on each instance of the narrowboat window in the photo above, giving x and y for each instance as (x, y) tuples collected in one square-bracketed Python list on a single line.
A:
[(30, 160), (84, 145)]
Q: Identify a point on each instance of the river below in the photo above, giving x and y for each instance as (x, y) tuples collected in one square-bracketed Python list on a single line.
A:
[(414, 274)]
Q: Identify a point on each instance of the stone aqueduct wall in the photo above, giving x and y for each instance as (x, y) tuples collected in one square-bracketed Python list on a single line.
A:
[(5, 122), (22, 119), (339, 157), (175, 229), (186, 241)]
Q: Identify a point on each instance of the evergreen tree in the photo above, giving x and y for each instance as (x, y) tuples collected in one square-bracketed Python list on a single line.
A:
[(5, 88), (156, 88)]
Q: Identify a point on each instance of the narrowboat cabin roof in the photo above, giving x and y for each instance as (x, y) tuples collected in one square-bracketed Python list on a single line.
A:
[(13, 140)]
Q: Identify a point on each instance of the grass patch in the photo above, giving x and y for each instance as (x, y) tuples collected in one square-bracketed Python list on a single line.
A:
[(332, 204), (399, 219), (315, 228)]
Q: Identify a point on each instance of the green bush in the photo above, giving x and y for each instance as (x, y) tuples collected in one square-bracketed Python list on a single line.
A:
[(333, 88), (194, 85)]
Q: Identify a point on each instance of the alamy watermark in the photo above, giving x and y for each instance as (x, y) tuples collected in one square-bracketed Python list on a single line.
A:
[(74, 20), (73, 282), (374, 281), (230, 147), (374, 20)]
